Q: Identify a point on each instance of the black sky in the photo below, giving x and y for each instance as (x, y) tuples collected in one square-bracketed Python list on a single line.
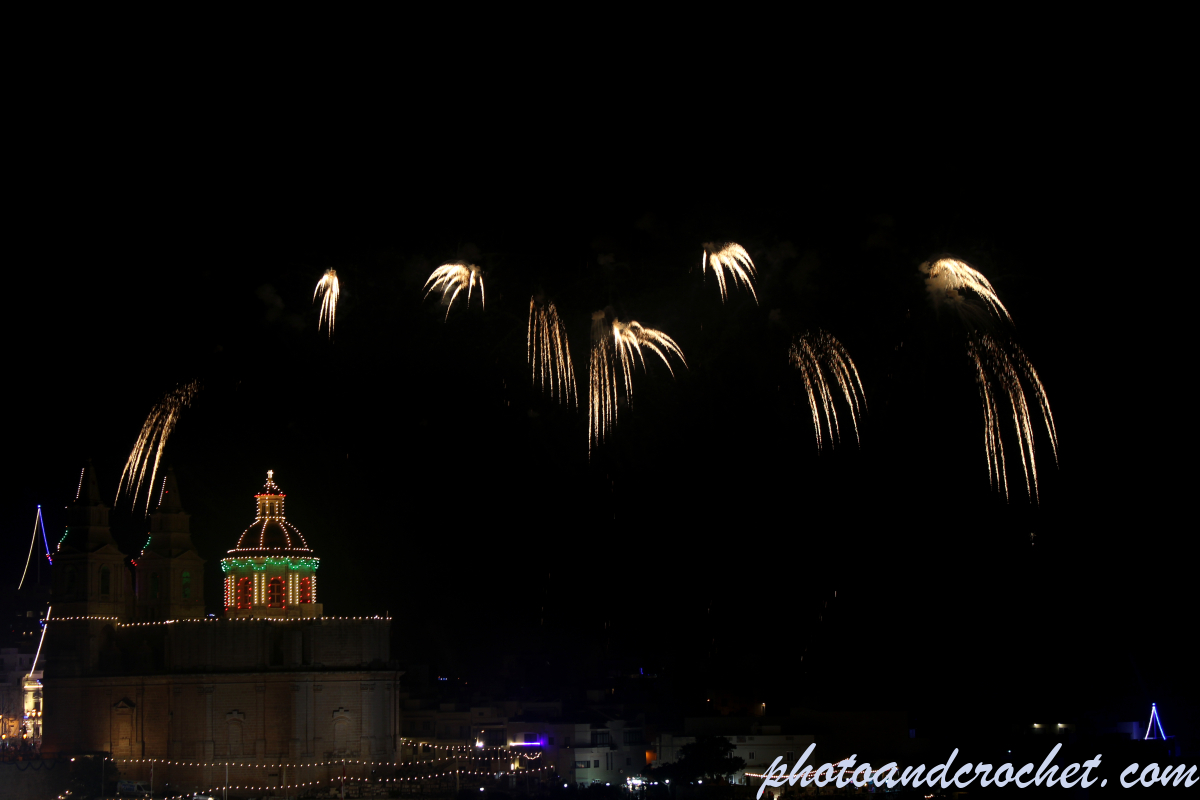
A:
[(706, 541)]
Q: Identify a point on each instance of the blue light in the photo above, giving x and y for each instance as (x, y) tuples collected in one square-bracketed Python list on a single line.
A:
[(42, 522), (1155, 720)]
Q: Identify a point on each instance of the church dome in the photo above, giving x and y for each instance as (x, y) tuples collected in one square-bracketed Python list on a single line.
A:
[(271, 573), (271, 534)]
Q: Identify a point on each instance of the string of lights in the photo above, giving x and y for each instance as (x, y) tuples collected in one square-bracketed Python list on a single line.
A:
[(462, 747), (335, 779), (226, 619), (215, 789), (270, 561), (302, 764)]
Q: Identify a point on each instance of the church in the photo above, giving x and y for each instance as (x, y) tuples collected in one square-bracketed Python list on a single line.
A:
[(273, 690)]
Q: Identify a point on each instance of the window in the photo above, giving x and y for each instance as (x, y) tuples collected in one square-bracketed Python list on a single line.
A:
[(583, 765), (105, 581), (752, 756), (601, 737), (154, 586), (791, 756), (187, 585), (633, 736), (245, 593), (629, 761), (306, 590), (596, 764), (275, 593)]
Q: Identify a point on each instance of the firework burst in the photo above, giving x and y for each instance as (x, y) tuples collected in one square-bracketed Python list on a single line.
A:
[(327, 288), (153, 440), (999, 369), (822, 360), (456, 276), (616, 347), (548, 353), (949, 277), (732, 257)]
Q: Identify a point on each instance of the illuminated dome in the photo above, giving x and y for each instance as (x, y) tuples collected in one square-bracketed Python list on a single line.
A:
[(271, 533), (271, 573)]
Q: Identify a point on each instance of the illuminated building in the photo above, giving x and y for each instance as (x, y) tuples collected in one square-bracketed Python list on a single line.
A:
[(147, 675), (271, 572)]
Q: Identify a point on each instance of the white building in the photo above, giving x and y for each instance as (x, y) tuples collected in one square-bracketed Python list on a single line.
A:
[(604, 752)]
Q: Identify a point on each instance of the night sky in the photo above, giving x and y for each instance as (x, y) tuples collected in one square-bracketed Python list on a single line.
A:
[(705, 542)]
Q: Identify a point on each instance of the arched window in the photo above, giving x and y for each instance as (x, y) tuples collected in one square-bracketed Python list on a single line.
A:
[(105, 581), (187, 585), (245, 593), (306, 590), (275, 593)]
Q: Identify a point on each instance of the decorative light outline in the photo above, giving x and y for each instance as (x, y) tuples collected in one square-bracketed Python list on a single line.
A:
[(1153, 719)]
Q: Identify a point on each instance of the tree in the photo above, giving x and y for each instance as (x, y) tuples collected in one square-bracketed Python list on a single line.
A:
[(708, 757)]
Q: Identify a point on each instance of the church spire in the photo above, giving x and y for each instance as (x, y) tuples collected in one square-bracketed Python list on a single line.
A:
[(170, 573), (87, 517), (170, 503), (170, 525)]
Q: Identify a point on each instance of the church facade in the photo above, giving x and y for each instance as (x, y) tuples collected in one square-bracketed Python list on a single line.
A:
[(136, 669)]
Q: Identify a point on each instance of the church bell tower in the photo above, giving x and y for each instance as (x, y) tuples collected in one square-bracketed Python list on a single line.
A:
[(170, 573)]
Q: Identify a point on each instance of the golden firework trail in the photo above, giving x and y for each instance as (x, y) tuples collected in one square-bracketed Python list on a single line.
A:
[(153, 440), (456, 276), (820, 357), (547, 351), (615, 347), (999, 369), (327, 287), (732, 257), (948, 276)]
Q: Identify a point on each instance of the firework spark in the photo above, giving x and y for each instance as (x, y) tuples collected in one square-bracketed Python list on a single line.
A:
[(153, 440), (820, 357), (328, 288), (999, 369), (456, 276), (615, 347), (948, 276), (548, 353), (732, 257)]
